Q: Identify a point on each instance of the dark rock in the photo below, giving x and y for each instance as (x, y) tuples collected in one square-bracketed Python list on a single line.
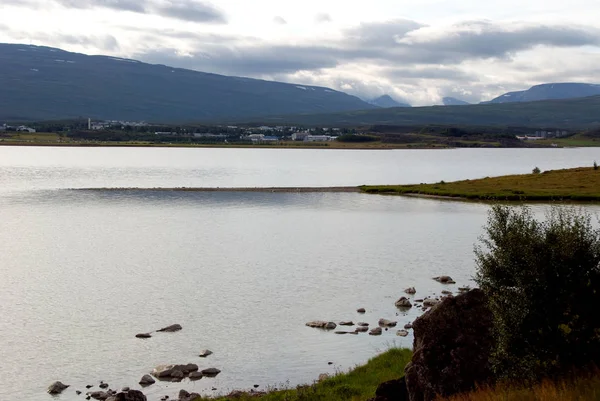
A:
[(393, 390), (177, 374), (361, 329), (376, 331), (347, 323), (143, 335), (452, 345), (89, 386), (429, 302), (103, 385), (329, 363), (341, 332), (403, 302), (126, 389), (78, 392), (362, 324), (446, 292), (205, 353), (408, 326), (321, 324), (256, 386), (171, 329), (146, 380), (387, 323), (444, 280), (131, 395), (196, 376), (210, 372), (99, 395), (410, 291), (57, 388), (361, 310)]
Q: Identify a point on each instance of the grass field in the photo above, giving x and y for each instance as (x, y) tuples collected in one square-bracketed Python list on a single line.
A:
[(357, 385), (579, 184)]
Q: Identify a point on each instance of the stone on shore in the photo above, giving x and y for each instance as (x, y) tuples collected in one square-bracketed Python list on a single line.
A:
[(143, 335), (361, 310), (455, 338), (430, 302), (99, 395), (147, 380), (171, 329), (205, 353), (387, 323), (403, 302), (347, 323), (444, 280), (185, 396), (402, 333), (196, 376), (410, 291), (408, 326)]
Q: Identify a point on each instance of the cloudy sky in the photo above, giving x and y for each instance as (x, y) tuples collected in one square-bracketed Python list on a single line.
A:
[(419, 51)]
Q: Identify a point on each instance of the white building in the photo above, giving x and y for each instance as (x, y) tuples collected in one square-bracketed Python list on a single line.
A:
[(23, 128), (318, 138), (299, 136)]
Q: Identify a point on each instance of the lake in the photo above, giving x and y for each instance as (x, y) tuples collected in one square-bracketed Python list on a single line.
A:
[(84, 271)]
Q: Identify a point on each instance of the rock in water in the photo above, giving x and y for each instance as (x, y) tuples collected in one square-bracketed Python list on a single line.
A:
[(171, 329), (444, 280), (361, 310), (410, 291), (321, 324), (143, 335), (57, 388), (387, 323), (402, 333), (347, 323), (376, 331), (430, 302), (196, 376), (455, 338), (403, 302), (210, 372), (205, 353), (147, 380), (361, 329), (131, 395)]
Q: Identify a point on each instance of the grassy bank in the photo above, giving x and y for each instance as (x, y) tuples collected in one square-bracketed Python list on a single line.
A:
[(357, 385), (582, 388), (578, 184)]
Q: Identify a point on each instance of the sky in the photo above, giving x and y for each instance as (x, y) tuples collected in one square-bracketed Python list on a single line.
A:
[(415, 51)]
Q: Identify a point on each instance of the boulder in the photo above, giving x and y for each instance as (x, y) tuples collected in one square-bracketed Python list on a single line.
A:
[(99, 395), (57, 388), (103, 385), (130, 395), (402, 333), (185, 396), (77, 392), (430, 302), (342, 332), (444, 280), (177, 374), (143, 335), (446, 292), (347, 323), (125, 389), (408, 326), (205, 353), (452, 345), (196, 376), (211, 372), (376, 331), (403, 302), (410, 291), (321, 324), (362, 324), (387, 323), (361, 329), (393, 390), (171, 329), (147, 380), (361, 310)]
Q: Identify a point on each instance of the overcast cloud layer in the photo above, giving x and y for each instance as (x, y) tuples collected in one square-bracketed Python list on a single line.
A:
[(415, 51)]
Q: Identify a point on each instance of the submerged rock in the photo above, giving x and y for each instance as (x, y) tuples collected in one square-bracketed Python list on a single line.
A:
[(321, 324), (171, 329), (376, 331), (403, 302), (387, 323), (410, 291), (444, 280), (57, 387), (455, 338)]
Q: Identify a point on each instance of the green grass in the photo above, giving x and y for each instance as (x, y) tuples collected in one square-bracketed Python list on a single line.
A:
[(579, 184), (357, 385)]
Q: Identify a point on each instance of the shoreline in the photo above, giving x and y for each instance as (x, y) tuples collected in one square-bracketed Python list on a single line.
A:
[(234, 189)]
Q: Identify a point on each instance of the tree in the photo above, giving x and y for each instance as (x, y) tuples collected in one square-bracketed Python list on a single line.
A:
[(542, 279)]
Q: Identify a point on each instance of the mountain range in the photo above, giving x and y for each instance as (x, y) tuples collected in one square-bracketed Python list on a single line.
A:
[(452, 101), (386, 101), (565, 90), (43, 83)]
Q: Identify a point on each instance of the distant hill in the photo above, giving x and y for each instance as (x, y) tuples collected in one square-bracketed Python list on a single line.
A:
[(452, 101), (567, 113), (549, 92), (386, 101), (42, 83)]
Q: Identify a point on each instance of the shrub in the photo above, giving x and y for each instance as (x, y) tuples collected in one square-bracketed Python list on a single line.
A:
[(595, 165), (543, 284), (536, 170)]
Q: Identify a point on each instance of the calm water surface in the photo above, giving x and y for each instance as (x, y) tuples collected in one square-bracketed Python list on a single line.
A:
[(83, 272)]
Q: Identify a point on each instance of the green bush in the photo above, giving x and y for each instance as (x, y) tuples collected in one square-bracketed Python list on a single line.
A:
[(543, 283), (536, 170), (357, 138)]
